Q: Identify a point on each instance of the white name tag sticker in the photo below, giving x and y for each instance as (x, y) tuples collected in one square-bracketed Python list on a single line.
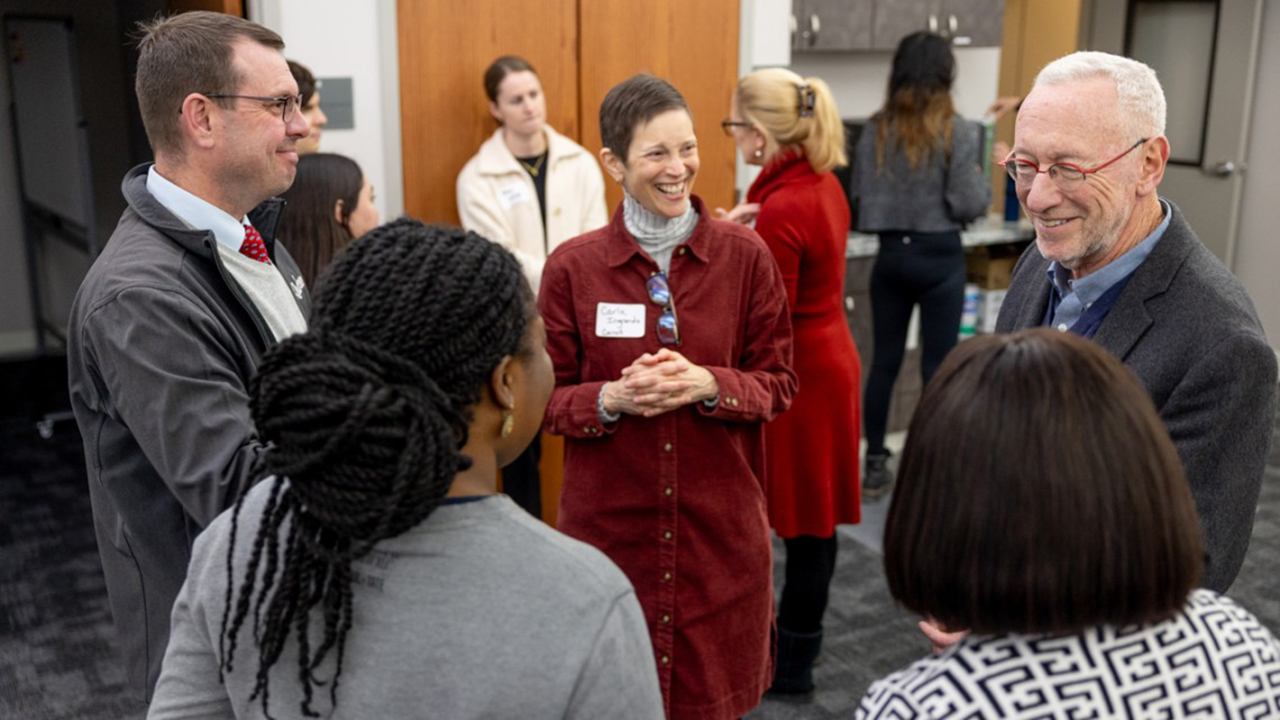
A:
[(619, 320), (513, 194)]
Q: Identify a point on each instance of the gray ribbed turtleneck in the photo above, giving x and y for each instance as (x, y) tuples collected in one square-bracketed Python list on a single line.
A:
[(659, 236)]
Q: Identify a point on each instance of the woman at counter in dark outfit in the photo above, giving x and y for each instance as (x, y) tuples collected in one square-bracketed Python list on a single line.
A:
[(790, 125), (671, 341), (917, 179)]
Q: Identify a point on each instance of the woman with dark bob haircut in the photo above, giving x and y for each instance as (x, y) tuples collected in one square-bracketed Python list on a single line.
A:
[(374, 573), (671, 341), (1041, 507)]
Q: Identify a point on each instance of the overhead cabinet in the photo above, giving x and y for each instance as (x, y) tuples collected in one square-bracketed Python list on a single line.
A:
[(844, 25)]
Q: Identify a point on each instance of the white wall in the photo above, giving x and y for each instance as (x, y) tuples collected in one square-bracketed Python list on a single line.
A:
[(338, 38), (1257, 258), (858, 80)]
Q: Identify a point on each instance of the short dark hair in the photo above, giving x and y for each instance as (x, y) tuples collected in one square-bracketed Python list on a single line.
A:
[(305, 79), (366, 414), (501, 68), (1039, 492), (632, 103), (188, 53), (307, 226)]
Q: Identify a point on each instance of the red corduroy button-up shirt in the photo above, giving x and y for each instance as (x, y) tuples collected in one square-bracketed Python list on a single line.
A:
[(678, 501)]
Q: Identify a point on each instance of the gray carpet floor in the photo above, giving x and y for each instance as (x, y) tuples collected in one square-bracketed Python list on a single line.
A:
[(57, 658)]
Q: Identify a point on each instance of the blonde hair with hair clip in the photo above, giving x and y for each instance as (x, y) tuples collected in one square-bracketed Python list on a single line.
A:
[(794, 111)]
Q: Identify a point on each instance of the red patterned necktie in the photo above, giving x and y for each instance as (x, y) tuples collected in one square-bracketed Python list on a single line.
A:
[(253, 246)]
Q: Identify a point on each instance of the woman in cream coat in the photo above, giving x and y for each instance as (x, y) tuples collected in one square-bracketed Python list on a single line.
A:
[(529, 188)]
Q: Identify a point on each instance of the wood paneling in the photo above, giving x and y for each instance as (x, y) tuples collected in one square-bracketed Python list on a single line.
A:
[(230, 7), (581, 49), (444, 116), (1035, 33), (692, 45)]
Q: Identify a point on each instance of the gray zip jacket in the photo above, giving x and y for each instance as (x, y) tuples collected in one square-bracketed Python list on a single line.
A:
[(161, 345), (944, 195)]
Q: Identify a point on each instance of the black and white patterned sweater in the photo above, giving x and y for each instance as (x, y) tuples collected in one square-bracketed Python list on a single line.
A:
[(1212, 660)]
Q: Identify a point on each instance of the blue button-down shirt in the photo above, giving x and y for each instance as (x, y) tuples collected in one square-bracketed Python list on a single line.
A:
[(1076, 296), (196, 212)]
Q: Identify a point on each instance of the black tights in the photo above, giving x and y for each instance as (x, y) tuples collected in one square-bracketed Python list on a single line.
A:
[(924, 268), (811, 561)]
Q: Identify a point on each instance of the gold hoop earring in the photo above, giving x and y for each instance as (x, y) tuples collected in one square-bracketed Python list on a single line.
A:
[(508, 424)]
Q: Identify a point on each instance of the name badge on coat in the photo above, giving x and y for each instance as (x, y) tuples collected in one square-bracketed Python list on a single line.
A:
[(619, 320), (513, 194)]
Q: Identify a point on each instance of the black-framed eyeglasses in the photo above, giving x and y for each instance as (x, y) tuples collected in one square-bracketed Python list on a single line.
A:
[(660, 293), (728, 125), (1067, 176), (289, 104)]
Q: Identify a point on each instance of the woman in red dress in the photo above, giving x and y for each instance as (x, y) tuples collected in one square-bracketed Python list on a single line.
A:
[(790, 126), (672, 347)]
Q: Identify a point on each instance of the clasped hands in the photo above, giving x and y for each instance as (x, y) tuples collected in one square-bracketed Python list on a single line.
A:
[(655, 383)]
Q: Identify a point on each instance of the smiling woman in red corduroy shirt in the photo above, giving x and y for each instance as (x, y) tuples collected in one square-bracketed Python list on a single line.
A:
[(671, 341)]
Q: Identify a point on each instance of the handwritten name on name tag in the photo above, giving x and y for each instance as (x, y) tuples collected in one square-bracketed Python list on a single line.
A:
[(619, 320), (513, 194)]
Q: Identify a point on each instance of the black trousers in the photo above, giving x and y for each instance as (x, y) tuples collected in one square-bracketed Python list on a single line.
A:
[(811, 562), (521, 480), (912, 268)]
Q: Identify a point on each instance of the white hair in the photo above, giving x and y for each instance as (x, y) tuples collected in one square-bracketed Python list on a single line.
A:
[(1139, 97)]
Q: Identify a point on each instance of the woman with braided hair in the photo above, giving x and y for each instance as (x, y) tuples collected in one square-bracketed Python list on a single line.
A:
[(375, 573)]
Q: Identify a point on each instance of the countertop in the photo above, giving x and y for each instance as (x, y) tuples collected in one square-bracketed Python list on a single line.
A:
[(988, 230)]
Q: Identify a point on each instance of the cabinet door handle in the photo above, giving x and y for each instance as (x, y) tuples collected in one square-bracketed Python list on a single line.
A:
[(815, 26), (933, 23)]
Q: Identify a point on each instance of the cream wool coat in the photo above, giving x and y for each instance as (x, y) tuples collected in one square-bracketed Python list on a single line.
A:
[(497, 199)]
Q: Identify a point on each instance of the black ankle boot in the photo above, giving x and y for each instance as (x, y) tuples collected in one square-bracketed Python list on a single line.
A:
[(793, 674), (877, 478)]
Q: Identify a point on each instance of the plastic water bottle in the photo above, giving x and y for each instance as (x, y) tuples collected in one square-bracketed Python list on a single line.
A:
[(969, 316)]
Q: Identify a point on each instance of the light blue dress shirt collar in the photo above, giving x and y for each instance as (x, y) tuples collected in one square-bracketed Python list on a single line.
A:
[(1078, 295), (197, 213)]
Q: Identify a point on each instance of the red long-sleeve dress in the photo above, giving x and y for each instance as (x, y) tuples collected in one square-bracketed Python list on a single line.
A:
[(677, 501), (813, 448)]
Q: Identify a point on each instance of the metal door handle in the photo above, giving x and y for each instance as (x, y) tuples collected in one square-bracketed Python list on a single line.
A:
[(1224, 168)]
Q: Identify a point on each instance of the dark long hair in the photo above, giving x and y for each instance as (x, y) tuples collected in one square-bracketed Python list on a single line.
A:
[(1039, 492), (307, 226), (918, 105), (366, 413)]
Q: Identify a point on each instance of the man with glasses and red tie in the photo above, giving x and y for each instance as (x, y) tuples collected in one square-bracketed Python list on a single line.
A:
[(170, 322), (1116, 263)]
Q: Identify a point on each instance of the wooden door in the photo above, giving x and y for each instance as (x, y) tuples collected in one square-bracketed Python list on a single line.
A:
[(1035, 33), (444, 115), (230, 7), (692, 45), (581, 49)]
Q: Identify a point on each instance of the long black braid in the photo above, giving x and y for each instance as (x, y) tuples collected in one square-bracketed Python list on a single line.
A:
[(366, 412)]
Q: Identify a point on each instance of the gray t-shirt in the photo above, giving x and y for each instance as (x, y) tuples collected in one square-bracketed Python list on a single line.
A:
[(480, 611)]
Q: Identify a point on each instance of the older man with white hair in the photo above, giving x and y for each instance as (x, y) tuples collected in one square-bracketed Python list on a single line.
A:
[(1116, 263)]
